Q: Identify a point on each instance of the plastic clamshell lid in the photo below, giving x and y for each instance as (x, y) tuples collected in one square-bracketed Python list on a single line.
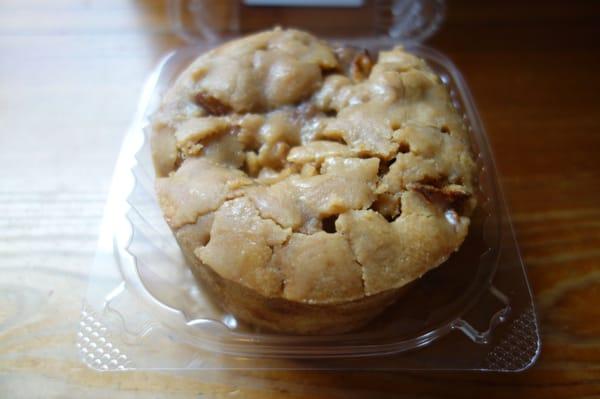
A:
[(144, 311), (202, 21)]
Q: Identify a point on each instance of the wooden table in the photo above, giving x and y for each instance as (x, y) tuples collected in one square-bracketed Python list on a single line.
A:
[(70, 74)]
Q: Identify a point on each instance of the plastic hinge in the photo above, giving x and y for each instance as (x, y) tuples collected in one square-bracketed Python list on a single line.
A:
[(483, 337)]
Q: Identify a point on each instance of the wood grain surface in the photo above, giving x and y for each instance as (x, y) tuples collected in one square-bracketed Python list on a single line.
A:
[(70, 75)]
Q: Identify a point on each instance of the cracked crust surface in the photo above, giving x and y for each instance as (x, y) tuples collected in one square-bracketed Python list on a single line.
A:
[(312, 174)]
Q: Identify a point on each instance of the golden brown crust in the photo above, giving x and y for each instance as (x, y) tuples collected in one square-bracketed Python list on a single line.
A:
[(310, 175), (283, 315)]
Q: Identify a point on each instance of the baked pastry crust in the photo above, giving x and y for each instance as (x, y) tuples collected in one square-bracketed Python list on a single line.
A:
[(305, 184)]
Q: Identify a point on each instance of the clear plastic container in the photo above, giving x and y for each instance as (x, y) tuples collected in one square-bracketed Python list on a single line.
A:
[(144, 310)]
